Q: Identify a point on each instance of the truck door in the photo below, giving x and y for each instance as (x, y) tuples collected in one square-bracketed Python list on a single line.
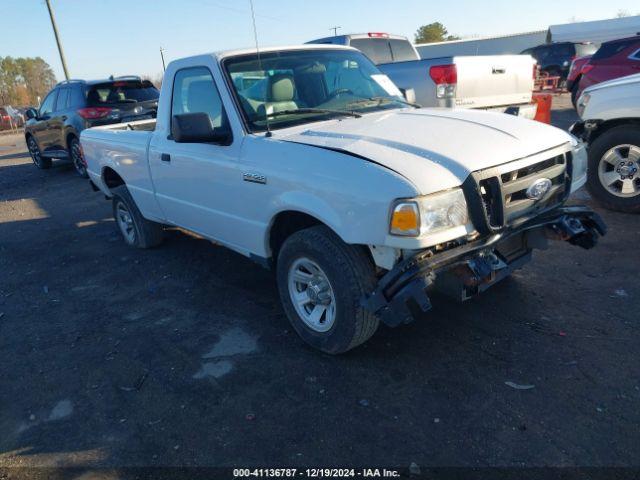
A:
[(194, 181)]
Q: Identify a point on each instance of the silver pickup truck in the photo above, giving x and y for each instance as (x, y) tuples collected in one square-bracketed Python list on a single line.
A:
[(492, 82)]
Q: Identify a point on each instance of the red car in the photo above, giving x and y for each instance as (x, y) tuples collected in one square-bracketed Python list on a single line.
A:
[(614, 59), (10, 118), (574, 76)]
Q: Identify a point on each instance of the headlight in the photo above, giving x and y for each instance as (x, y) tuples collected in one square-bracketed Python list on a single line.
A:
[(579, 161), (430, 214), (583, 101)]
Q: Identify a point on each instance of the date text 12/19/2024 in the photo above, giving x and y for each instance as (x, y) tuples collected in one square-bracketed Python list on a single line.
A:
[(315, 473)]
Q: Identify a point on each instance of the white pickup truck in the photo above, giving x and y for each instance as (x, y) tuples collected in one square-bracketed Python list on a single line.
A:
[(306, 159)]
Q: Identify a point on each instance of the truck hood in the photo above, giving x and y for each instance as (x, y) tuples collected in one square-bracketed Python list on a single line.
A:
[(628, 80), (435, 149)]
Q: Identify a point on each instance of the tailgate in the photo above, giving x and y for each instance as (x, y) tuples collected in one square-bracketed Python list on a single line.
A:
[(494, 80)]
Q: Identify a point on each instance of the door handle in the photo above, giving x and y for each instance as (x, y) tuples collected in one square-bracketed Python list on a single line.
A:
[(165, 157)]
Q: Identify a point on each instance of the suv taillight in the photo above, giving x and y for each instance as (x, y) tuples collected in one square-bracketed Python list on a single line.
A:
[(586, 68), (91, 113), (445, 77)]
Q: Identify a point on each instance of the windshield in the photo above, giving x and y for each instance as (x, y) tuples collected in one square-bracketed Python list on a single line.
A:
[(294, 87)]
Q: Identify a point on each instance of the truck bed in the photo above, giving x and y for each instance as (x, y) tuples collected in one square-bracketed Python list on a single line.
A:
[(122, 147), (486, 81)]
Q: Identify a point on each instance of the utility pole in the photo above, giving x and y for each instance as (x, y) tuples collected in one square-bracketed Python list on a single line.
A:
[(55, 32), (335, 31), (162, 56)]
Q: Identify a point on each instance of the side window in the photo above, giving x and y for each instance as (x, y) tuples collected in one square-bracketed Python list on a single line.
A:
[(76, 96), (194, 91), (63, 99), (635, 55), (48, 103)]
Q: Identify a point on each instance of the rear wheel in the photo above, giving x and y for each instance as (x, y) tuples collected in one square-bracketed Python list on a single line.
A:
[(75, 153), (614, 169), (38, 160), (136, 230), (321, 281)]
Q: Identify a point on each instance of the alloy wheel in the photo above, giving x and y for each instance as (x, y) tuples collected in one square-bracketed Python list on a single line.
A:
[(34, 151), (125, 223), (619, 171), (312, 295), (77, 158)]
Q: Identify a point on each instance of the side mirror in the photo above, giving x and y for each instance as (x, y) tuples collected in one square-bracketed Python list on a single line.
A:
[(197, 128), (31, 113), (409, 94)]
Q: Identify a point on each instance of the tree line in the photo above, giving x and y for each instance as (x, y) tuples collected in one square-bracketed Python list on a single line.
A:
[(23, 80)]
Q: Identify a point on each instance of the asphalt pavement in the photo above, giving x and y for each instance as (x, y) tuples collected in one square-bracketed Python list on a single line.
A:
[(182, 356)]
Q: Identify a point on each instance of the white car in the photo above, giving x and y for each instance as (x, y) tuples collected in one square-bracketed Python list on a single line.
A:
[(610, 113), (306, 159)]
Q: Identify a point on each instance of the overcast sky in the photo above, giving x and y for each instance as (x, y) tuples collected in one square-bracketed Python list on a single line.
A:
[(104, 37)]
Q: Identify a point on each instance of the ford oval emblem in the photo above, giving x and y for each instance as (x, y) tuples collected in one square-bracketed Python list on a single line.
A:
[(538, 189)]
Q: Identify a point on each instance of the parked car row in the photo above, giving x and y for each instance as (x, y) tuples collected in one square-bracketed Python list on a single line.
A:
[(309, 160), (53, 130), (614, 59), (554, 59), (498, 82), (10, 118)]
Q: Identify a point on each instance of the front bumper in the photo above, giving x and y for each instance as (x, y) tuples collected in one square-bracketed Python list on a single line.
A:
[(402, 292)]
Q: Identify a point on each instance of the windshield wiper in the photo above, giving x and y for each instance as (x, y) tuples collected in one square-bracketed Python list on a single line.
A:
[(389, 99), (310, 110)]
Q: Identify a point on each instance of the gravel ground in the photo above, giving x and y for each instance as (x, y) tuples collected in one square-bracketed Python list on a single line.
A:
[(181, 355)]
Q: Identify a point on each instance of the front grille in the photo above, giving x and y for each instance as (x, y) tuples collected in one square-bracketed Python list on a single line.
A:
[(515, 184), (503, 189)]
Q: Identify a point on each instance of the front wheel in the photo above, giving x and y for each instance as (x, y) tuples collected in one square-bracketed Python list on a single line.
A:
[(614, 169), (136, 230), (321, 281), (38, 160), (75, 153)]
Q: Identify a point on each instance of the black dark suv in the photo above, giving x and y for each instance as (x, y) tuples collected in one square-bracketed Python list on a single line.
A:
[(53, 131), (555, 58)]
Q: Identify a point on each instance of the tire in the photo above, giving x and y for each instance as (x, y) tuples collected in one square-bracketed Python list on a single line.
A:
[(39, 161), (625, 140), (75, 154), (349, 273), (136, 230)]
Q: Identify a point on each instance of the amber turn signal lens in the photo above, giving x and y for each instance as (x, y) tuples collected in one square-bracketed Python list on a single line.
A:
[(405, 220)]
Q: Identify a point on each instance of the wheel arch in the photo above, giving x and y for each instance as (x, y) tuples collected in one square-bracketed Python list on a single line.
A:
[(608, 125), (287, 222), (111, 178), (68, 136), (284, 224)]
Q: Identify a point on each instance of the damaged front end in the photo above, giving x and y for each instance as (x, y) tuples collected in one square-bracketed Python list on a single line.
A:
[(464, 271)]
